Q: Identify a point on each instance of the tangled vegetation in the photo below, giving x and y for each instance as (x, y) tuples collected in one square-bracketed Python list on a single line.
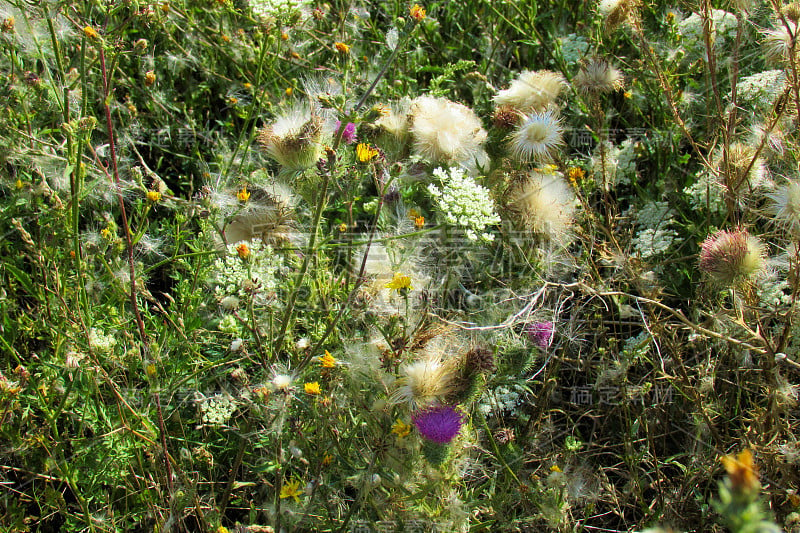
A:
[(343, 266)]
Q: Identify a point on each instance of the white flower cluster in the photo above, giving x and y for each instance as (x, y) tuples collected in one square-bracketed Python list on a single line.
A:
[(464, 203), (502, 400), (654, 215), (651, 242), (236, 278), (100, 342), (573, 48), (217, 410), (266, 9), (723, 30), (706, 193), (760, 90)]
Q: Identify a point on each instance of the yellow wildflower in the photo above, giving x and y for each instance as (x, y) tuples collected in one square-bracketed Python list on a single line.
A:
[(342, 227), (400, 282), (419, 222), (284, 36), (289, 91), (312, 388), (243, 195), (417, 12), (327, 459), (555, 468), (342, 48), (575, 173), (327, 360), (90, 32), (365, 152), (401, 429), (741, 470), (149, 78), (153, 196), (243, 251), (223, 529), (18, 184), (291, 489)]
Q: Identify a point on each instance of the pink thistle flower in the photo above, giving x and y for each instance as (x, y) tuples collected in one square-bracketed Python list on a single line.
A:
[(729, 256), (541, 333), (439, 423), (349, 133)]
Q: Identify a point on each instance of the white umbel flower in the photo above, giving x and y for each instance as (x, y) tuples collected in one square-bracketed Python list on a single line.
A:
[(464, 203), (445, 131), (532, 91), (537, 136)]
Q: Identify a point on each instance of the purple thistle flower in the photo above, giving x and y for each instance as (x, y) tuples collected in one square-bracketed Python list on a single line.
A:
[(439, 424), (349, 133), (541, 333)]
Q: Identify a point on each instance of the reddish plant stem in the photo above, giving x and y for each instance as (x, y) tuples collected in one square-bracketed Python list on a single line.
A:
[(129, 245)]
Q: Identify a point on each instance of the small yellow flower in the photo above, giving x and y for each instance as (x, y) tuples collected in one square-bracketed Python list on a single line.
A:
[(365, 152), (222, 529), (151, 370), (233, 100), (90, 32), (417, 12), (153, 196), (284, 36), (248, 85), (342, 227), (149, 78), (105, 233), (291, 489), (289, 91), (243, 251), (327, 360), (243, 195), (18, 184), (555, 468), (342, 48), (400, 282), (327, 459), (627, 94), (575, 173), (312, 388), (741, 470), (419, 222), (401, 429)]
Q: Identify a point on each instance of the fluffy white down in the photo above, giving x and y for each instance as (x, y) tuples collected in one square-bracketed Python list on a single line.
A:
[(445, 131)]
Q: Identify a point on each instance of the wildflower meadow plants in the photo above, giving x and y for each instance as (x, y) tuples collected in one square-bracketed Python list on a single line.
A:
[(383, 266)]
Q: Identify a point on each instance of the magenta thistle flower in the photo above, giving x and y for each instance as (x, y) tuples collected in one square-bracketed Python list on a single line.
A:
[(541, 333), (349, 133), (439, 424)]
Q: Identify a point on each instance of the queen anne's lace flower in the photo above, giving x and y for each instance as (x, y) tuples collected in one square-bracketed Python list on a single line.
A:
[(464, 203), (253, 277), (217, 410)]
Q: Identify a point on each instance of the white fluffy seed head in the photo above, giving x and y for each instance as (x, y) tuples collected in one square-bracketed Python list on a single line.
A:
[(598, 76), (537, 136), (532, 91), (445, 131), (544, 204), (785, 207)]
